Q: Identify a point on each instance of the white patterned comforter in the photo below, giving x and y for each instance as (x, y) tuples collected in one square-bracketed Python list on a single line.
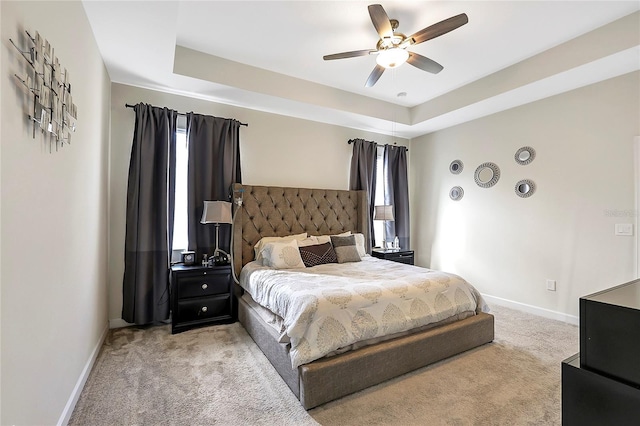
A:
[(327, 307)]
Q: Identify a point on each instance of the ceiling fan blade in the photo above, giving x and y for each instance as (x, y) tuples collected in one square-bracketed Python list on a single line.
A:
[(351, 54), (442, 27), (424, 63), (380, 20), (374, 76)]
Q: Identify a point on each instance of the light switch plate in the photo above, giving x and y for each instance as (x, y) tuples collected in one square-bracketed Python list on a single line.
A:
[(551, 285), (624, 229)]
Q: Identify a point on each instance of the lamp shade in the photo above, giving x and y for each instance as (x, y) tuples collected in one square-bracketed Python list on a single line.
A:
[(216, 212), (383, 212)]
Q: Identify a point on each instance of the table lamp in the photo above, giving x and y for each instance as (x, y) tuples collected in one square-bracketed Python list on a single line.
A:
[(383, 213), (217, 212)]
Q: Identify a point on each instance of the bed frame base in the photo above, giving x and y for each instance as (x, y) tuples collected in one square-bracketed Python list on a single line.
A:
[(330, 378)]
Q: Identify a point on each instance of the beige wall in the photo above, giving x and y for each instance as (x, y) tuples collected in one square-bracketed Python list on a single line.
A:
[(1, 102), (508, 246), (53, 223), (275, 150)]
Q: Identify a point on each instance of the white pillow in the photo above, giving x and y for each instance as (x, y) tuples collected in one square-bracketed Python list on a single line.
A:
[(360, 245), (265, 240), (309, 241), (327, 238), (282, 255)]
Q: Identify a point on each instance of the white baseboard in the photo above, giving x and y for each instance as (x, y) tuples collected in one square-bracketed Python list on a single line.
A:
[(547, 313), (118, 323), (77, 390)]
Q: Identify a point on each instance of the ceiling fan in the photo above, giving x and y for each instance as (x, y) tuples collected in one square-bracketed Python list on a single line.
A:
[(392, 46)]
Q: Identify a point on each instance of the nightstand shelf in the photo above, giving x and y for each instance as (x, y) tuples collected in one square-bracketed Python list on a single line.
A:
[(402, 256), (201, 296)]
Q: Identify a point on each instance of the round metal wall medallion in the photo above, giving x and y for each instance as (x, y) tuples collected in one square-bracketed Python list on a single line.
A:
[(487, 175), (456, 193), (456, 167), (525, 155), (525, 188)]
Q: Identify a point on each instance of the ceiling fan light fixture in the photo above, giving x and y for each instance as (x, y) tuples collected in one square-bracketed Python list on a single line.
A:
[(392, 58), (391, 49)]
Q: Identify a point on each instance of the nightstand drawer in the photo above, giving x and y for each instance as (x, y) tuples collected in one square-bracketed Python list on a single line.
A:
[(204, 308), (203, 284), (402, 258)]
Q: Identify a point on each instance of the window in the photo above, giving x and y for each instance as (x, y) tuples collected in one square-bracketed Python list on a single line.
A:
[(180, 224), (379, 196)]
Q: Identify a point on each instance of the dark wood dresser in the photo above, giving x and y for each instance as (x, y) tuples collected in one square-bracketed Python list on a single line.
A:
[(601, 384), (201, 296)]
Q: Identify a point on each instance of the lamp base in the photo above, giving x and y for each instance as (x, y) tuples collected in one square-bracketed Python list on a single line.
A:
[(219, 258)]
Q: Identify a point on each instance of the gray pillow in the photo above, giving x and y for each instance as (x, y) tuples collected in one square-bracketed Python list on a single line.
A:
[(345, 248)]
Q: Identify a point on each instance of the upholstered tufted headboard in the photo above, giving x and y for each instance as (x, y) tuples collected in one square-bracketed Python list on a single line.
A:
[(269, 211)]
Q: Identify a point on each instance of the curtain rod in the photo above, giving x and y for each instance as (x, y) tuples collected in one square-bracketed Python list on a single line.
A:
[(350, 141), (180, 113)]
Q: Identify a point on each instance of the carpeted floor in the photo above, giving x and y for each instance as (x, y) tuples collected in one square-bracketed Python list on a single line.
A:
[(218, 376)]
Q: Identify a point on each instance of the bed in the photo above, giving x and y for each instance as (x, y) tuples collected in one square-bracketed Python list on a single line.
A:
[(277, 212)]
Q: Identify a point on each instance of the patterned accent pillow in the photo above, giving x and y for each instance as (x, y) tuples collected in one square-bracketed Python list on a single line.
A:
[(346, 250), (282, 255), (318, 254), (260, 245)]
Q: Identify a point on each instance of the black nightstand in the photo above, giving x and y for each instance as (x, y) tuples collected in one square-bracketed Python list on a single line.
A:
[(402, 256), (201, 296)]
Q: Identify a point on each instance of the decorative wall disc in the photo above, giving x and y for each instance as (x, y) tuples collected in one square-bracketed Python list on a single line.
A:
[(456, 193), (525, 155), (525, 188), (487, 175), (456, 167)]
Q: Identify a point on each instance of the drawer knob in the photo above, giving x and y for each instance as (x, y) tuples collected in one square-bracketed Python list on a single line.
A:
[(205, 286), (204, 309)]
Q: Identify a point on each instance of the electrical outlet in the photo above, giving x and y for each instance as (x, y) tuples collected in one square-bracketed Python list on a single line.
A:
[(551, 285)]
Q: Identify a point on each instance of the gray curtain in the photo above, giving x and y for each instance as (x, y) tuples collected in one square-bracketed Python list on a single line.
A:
[(397, 193), (363, 176), (149, 227), (214, 165)]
